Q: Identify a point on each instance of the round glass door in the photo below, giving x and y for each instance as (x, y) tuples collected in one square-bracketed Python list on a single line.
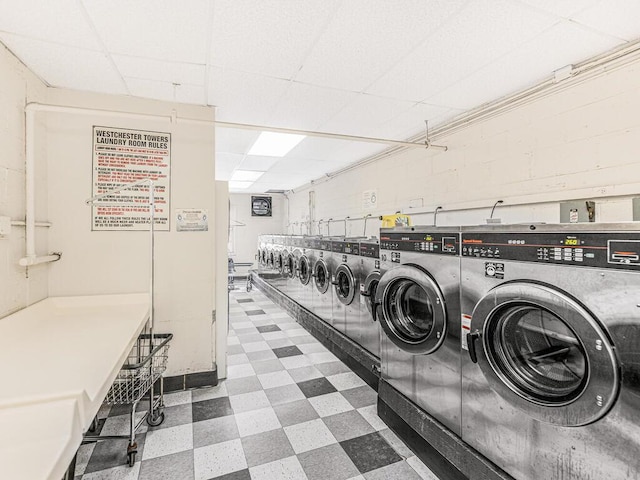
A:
[(281, 262), (412, 308), (305, 270), (545, 353), (321, 276), (271, 258), (369, 290), (345, 284), (291, 266)]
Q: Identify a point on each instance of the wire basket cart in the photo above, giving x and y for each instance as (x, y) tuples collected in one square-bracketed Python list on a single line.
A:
[(232, 274), (137, 379)]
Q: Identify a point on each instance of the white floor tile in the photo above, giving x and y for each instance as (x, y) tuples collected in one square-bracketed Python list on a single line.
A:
[(274, 335), (309, 435), (249, 401), (345, 381), (286, 469), (322, 357), (208, 393), (295, 361), (177, 398), (370, 414), (240, 371), (241, 325), (421, 469), (124, 472), (315, 347), (296, 332), (275, 379), (255, 346), (237, 359), (330, 404), (219, 459), (168, 440), (257, 421)]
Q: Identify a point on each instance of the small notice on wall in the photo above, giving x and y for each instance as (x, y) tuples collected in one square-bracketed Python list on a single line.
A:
[(369, 200), (122, 156), (192, 220)]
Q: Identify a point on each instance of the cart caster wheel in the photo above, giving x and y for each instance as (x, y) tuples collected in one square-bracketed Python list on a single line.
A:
[(154, 419), (131, 458)]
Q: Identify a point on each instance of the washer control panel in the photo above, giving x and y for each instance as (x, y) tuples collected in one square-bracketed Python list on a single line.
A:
[(349, 248), (436, 243), (603, 250), (370, 250)]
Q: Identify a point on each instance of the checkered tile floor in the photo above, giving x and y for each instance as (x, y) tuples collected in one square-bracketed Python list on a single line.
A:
[(288, 410)]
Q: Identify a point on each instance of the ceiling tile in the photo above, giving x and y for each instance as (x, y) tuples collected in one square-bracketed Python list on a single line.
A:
[(562, 8), (244, 97), (167, 30), (307, 106), (367, 37), (64, 66), (412, 122), (270, 38), (166, 91), (618, 18), (481, 33), (364, 114), (226, 163), (317, 148), (564, 44), (260, 164), (62, 21), (235, 140), (357, 151), (172, 72)]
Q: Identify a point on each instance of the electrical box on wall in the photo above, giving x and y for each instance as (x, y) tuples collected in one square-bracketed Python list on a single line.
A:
[(636, 209), (577, 211)]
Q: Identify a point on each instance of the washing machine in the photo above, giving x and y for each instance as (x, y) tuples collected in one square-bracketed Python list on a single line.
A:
[(305, 271), (346, 286), (279, 260), (366, 332), (419, 311), (293, 262), (262, 244), (288, 265), (322, 269), (551, 355)]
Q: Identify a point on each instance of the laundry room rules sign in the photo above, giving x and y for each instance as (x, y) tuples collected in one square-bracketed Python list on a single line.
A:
[(121, 157)]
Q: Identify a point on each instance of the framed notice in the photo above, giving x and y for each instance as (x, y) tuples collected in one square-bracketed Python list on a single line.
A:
[(260, 206), (122, 156)]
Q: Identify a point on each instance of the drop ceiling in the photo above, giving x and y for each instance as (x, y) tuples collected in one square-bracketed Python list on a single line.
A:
[(374, 68)]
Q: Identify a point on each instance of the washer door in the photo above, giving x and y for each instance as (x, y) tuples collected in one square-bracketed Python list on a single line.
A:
[(271, 259), (412, 309), (290, 265), (345, 284), (368, 292), (282, 262), (544, 353), (321, 276), (304, 270)]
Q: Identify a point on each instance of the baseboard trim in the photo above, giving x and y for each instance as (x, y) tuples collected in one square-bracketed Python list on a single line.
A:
[(187, 381)]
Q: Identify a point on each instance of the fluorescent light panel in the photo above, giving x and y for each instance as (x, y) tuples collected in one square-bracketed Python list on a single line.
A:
[(246, 176), (271, 144), (239, 185)]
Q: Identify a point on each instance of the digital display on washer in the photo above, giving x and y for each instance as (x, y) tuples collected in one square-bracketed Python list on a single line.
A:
[(603, 250), (438, 243), (349, 248), (370, 250)]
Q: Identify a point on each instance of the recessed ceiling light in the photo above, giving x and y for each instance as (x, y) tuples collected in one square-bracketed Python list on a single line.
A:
[(246, 175), (239, 185), (271, 144)]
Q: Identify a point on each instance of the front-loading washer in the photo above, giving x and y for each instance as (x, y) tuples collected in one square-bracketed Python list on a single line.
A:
[(346, 290), (367, 329), (418, 299), (305, 271), (322, 271), (551, 355)]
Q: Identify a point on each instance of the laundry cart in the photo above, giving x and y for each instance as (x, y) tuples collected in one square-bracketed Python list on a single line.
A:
[(137, 381)]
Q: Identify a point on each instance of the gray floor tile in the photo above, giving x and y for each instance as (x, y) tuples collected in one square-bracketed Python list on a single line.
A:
[(176, 415), (296, 412), (284, 394), (360, 396), (280, 343), (328, 463), (396, 471), (267, 366), (112, 453), (332, 368), (316, 387), (305, 340), (239, 475), (208, 409), (261, 355), (249, 337), (255, 312), (348, 425), (234, 349), (216, 430), (266, 447), (370, 452), (243, 385), (268, 328), (170, 467), (305, 373), (396, 443), (207, 393)]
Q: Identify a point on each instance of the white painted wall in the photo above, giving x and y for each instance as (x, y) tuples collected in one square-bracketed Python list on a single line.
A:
[(244, 238), (118, 262), (19, 287), (579, 143)]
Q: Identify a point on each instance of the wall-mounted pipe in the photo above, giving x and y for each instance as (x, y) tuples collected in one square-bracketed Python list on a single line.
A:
[(329, 226), (494, 208), (364, 232), (435, 215), (345, 225)]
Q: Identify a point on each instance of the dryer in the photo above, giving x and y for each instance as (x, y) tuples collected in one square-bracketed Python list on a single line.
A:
[(367, 329), (322, 270), (345, 279), (419, 312), (551, 355)]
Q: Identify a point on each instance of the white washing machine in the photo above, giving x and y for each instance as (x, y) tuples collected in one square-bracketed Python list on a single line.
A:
[(551, 355), (419, 312)]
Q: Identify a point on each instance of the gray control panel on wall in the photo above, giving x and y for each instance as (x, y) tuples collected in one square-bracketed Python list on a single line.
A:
[(577, 211), (636, 209)]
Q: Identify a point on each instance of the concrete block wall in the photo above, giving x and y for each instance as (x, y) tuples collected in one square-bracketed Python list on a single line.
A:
[(576, 143), (19, 287)]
